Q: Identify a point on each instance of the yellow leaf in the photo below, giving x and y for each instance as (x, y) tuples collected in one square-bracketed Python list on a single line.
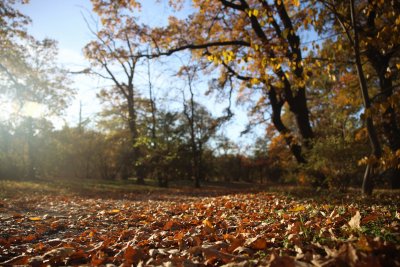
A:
[(255, 12), (115, 211), (254, 81), (398, 66), (35, 218), (298, 208), (249, 12), (296, 3)]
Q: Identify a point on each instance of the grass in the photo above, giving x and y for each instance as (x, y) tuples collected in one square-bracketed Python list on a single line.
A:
[(116, 189), (10, 188)]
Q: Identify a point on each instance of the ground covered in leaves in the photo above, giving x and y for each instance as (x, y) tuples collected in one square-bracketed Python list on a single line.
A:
[(42, 224)]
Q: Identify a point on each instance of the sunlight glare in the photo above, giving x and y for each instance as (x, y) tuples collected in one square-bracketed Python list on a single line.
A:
[(32, 109)]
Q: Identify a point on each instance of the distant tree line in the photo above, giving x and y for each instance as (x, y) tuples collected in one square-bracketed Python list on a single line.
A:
[(330, 105)]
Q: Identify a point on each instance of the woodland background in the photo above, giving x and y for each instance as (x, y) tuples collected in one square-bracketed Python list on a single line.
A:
[(151, 181), (329, 103)]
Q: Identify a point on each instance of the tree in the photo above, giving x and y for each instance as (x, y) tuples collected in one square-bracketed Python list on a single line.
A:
[(365, 25), (255, 40), (199, 122), (28, 75), (28, 71), (115, 49), (12, 29)]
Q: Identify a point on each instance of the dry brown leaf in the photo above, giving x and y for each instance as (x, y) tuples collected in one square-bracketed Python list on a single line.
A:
[(354, 222), (133, 255), (18, 260), (370, 218), (59, 252)]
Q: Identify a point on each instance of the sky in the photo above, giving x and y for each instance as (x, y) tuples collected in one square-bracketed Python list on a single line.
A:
[(63, 20)]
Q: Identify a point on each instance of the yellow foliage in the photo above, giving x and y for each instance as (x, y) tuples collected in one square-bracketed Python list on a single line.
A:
[(298, 208)]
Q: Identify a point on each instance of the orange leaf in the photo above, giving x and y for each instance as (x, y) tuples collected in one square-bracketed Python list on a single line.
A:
[(208, 224), (30, 238), (170, 225), (132, 255), (114, 211), (256, 243), (35, 218), (208, 227)]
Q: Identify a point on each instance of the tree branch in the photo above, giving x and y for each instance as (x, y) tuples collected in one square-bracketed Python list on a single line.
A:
[(194, 47), (232, 5)]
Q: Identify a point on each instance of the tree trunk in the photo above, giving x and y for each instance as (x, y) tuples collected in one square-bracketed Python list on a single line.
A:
[(300, 110), (391, 129), (367, 186), (390, 126), (282, 129)]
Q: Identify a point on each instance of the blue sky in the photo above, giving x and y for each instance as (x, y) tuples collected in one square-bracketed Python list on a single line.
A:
[(60, 20), (63, 21)]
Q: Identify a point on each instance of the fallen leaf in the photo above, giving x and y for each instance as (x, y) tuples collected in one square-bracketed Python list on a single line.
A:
[(35, 218), (354, 222), (208, 224), (132, 255), (208, 227), (363, 244), (243, 250), (297, 208), (370, 218), (281, 261), (171, 225), (114, 211), (257, 243), (18, 260), (59, 252)]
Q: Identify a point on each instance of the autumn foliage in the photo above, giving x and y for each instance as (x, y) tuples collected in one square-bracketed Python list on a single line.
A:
[(154, 180)]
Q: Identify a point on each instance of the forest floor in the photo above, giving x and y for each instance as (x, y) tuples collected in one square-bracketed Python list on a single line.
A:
[(118, 223)]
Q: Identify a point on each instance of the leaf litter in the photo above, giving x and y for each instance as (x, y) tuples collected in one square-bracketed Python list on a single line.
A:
[(241, 229)]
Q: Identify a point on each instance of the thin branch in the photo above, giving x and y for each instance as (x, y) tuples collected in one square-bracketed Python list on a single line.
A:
[(10, 75), (194, 47), (232, 5)]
